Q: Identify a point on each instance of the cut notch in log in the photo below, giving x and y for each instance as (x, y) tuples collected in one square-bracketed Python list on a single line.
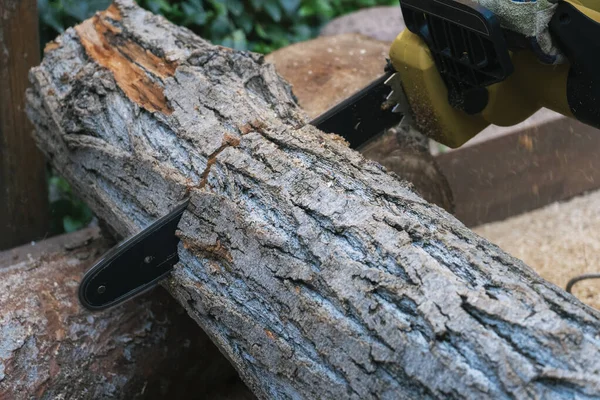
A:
[(317, 273)]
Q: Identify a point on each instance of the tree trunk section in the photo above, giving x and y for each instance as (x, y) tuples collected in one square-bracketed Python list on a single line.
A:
[(317, 273), (51, 348)]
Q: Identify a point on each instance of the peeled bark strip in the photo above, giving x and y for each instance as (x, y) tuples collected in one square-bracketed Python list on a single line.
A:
[(317, 273), (51, 348)]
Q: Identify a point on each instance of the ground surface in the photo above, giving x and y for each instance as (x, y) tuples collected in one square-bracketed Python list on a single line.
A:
[(559, 241)]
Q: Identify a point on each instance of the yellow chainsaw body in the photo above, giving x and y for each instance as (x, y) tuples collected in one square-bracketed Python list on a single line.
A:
[(531, 86)]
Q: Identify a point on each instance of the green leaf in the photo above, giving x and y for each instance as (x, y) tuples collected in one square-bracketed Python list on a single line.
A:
[(50, 16), (80, 10), (220, 26), (256, 4), (71, 225), (272, 8), (219, 6), (260, 31), (275, 32), (86, 214), (153, 5), (302, 32), (239, 40), (245, 22), (61, 185), (235, 7), (290, 6), (317, 8), (164, 7), (194, 13)]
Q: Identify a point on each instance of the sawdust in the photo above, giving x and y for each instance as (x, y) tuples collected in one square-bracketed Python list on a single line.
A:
[(559, 241)]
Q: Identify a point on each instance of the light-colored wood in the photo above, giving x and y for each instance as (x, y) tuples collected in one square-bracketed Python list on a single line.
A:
[(381, 23), (327, 70), (316, 272)]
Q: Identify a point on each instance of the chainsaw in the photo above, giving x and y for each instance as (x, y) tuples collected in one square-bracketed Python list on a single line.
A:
[(460, 66)]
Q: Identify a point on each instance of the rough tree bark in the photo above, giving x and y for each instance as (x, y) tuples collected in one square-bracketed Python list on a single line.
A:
[(51, 348), (318, 274), (336, 67)]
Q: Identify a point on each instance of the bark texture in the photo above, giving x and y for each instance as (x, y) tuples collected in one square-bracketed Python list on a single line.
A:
[(51, 348), (316, 272), (329, 69)]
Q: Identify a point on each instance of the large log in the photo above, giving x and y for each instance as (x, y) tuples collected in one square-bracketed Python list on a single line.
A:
[(52, 348), (318, 274)]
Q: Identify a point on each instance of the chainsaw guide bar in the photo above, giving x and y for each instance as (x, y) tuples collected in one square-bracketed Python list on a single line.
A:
[(133, 266)]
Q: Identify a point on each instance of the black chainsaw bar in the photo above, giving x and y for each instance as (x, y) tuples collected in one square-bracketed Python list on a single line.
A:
[(362, 116), (133, 266), (139, 263)]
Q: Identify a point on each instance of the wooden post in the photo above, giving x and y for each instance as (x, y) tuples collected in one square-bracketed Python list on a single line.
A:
[(23, 193)]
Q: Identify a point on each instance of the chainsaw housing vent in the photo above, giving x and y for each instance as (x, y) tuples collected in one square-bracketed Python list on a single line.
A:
[(467, 44)]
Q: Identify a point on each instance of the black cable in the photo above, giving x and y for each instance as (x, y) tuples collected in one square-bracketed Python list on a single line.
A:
[(581, 278)]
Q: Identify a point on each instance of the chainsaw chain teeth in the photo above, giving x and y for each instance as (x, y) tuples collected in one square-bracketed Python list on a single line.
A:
[(397, 100)]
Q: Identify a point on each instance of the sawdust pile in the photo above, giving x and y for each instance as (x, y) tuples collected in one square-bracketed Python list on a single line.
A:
[(559, 241)]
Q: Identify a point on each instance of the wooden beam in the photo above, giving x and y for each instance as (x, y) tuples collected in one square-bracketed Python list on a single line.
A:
[(23, 194), (520, 172)]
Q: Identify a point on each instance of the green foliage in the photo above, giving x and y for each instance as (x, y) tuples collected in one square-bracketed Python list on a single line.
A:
[(257, 25), (67, 211), (58, 15)]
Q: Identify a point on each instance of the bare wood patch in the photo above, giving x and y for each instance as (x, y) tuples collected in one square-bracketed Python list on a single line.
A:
[(132, 66)]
